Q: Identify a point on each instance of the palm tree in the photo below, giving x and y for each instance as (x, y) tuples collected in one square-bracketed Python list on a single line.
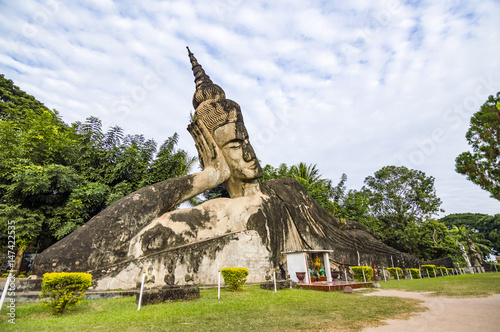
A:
[(307, 172), (475, 241)]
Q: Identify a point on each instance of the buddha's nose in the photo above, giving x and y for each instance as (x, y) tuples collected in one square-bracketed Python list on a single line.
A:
[(248, 152)]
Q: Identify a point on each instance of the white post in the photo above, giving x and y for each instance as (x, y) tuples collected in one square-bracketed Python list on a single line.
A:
[(345, 274), (218, 288), (427, 270), (142, 288), (274, 274), (447, 274), (435, 273), (397, 274), (364, 278), (383, 272), (4, 293), (441, 272), (419, 273), (328, 272), (495, 267), (392, 262), (411, 277)]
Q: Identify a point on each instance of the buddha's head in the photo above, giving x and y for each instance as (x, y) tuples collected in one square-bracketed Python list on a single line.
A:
[(224, 120)]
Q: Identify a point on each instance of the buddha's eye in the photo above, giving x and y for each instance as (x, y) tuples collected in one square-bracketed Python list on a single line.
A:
[(234, 145)]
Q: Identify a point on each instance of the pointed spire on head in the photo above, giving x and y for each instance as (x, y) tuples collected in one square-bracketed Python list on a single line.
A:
[(200, 77), (205, 88)]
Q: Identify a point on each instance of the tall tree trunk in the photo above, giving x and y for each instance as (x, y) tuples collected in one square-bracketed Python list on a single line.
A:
[(19, 258)]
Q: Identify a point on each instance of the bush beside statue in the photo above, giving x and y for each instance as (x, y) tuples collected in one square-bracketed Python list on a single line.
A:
[(61, 291), (234, 277)]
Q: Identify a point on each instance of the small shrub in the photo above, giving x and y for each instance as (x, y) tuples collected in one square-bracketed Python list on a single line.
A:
[(441, 271), (392, 272), (414, 273), (358, 273), (5, 275), (429, 268), (235, 277), (63, 290)]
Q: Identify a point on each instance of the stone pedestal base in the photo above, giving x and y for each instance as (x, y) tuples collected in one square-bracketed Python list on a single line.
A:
[(281, 284), (168, 293)]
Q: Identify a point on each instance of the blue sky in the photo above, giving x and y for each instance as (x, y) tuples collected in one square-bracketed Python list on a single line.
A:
[(350, 86)]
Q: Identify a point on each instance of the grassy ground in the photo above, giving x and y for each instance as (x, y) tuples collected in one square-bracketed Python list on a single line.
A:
[(249, 310), (470, 285)]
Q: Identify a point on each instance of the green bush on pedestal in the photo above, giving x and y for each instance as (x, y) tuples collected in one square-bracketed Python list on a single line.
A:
[(235, 277), (63, 290), (429, 268), (414, 273), (392, 272), (358, 273)]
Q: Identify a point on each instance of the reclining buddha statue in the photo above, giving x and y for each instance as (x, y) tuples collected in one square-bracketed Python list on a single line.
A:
[(253, 228)]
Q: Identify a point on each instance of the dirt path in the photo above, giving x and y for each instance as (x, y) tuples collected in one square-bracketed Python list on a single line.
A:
[(446, 313)]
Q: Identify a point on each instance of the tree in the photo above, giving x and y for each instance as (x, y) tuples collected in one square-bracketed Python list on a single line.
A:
[(398, 195), (308, 176), (482, 166), (477, 245), (469, 220), (401, 200), (488, 226), (55, 177)]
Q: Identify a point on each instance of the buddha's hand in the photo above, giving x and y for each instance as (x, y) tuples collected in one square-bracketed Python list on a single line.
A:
[(211, 157)]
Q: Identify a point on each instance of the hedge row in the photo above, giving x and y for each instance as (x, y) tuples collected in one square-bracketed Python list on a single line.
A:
[(395, 272), (358, 273)]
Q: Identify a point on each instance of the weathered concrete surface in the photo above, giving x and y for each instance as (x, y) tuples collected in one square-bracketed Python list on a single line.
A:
[(168, 293), (250, 231), (280, 284)]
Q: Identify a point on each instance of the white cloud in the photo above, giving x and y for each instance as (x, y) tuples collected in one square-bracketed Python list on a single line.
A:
[(352, 86)]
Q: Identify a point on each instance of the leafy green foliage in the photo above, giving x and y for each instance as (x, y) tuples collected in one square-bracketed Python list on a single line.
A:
[(401, 202), (309, 177), (235, 277), (414, 273), (476, 244), (358, 273), (429, 269), (63, 290), (481, 166), (55, 177), (488, 226), (395, 272), (441, 271), (399, 195)]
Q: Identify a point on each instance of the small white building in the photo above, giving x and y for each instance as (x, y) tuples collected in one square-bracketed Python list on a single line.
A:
[(302, 260)]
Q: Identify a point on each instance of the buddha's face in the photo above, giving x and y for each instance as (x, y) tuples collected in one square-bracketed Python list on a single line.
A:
[(232, 139)]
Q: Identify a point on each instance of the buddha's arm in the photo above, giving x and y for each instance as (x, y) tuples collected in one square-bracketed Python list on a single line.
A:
[(215, 169)]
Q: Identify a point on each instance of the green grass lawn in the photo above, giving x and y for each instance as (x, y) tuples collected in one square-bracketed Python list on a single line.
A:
[(469, 285), (249, 310)]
